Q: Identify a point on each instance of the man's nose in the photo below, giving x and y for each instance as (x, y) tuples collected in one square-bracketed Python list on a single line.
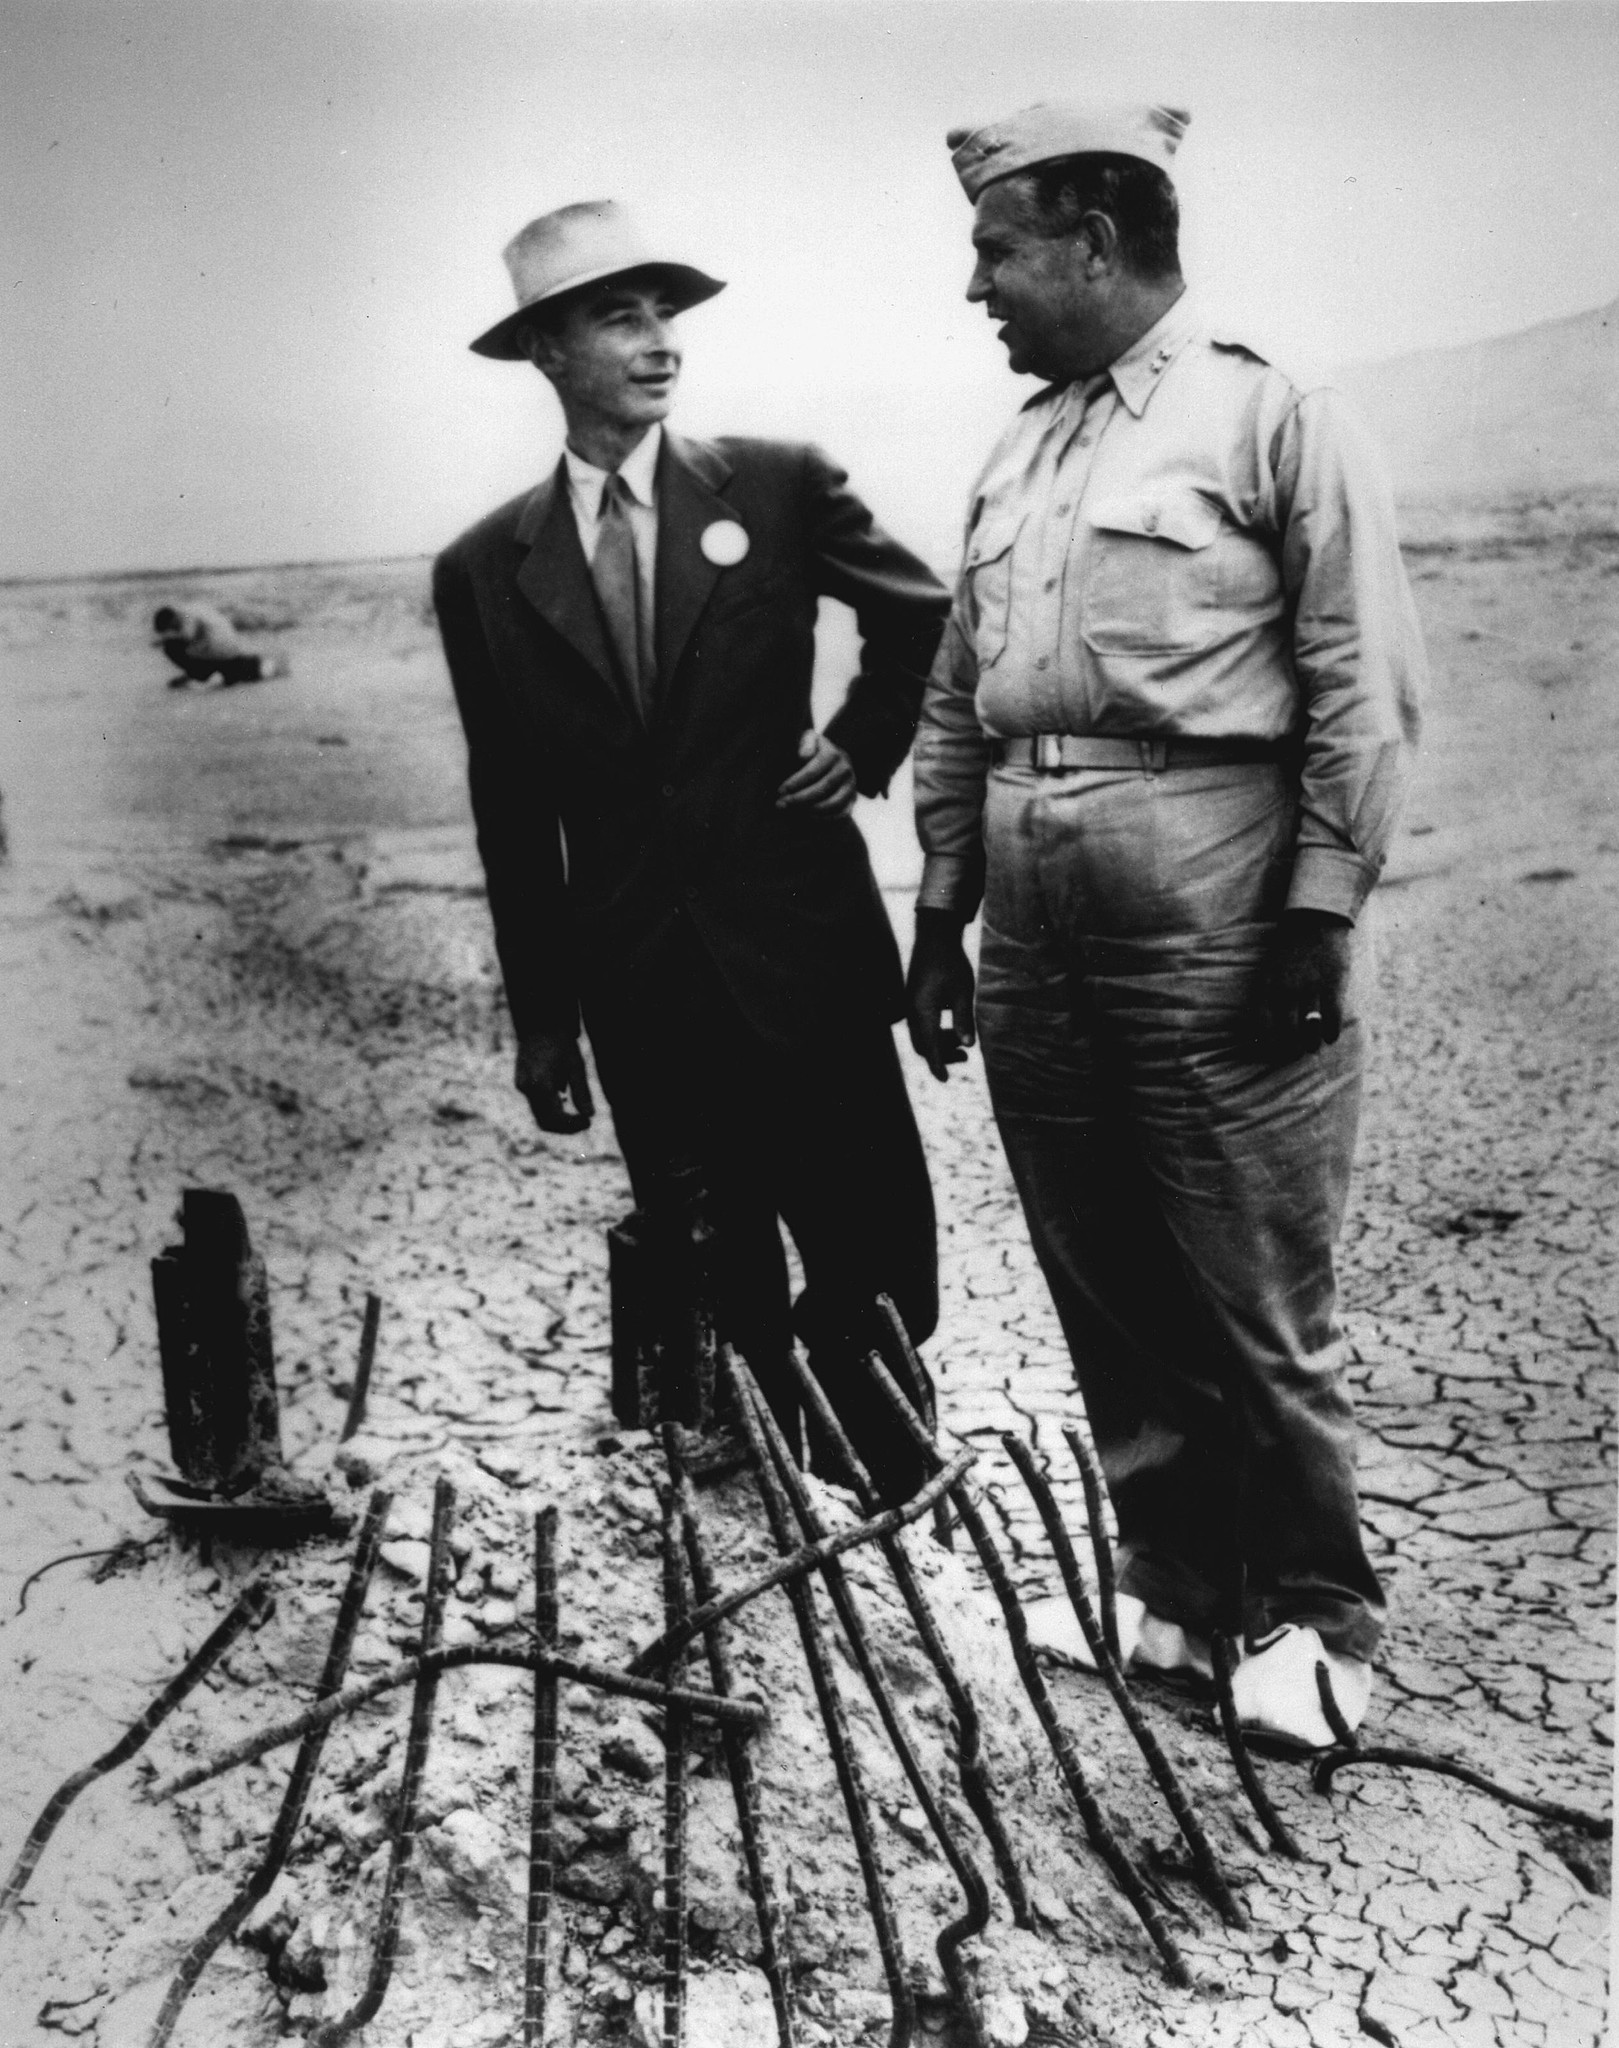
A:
[(978, 285)]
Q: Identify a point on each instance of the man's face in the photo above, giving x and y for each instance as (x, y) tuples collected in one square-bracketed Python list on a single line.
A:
[(612, 354), (1035, 285)]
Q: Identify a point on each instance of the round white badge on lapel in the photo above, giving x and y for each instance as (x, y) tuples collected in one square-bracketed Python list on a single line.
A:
[(724, 543)]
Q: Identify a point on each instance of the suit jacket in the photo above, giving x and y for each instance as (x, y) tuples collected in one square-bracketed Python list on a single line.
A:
[(599, 831)]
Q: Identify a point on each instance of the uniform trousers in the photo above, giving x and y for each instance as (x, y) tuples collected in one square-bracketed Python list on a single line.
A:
[(1183, 1196), (819, 1135)]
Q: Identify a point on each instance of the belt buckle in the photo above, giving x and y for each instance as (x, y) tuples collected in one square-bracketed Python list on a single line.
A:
[(1048, 750), (1154, 756)]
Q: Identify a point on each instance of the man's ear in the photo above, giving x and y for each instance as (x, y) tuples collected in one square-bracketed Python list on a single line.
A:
[(1098, 242), (541, 347)]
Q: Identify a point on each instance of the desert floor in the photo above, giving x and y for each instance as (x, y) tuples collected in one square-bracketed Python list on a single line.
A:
[(244, 946)]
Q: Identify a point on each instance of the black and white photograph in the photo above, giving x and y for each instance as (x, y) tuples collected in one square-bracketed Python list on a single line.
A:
[(809, 912)]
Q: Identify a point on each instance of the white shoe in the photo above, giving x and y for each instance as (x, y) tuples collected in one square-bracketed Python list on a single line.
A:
[(1166, 1650), (1146, 1642), (1276, 1694)]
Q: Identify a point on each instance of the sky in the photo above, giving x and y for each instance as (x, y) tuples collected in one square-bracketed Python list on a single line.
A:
[(244, 247)]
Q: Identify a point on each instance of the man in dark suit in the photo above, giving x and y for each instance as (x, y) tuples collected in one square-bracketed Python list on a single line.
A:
[(665, 836)]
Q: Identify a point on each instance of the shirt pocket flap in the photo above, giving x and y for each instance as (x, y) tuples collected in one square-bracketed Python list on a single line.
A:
[(1188, 522), (990, 540)]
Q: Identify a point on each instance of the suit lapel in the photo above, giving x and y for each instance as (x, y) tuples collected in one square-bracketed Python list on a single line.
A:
[(690, 478), (555, 577)]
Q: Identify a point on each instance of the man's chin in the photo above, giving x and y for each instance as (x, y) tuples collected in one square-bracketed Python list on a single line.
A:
[(1019, 361), (652, 403)]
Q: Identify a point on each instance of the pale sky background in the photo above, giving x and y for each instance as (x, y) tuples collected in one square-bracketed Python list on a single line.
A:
[(243, 247)]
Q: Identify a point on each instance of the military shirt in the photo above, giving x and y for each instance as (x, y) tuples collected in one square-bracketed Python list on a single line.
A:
[(1190, 545)]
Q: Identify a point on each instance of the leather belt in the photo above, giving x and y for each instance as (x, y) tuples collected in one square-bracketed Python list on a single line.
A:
[(1053, 751)]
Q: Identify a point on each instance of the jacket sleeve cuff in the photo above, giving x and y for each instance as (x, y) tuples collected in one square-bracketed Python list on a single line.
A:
[(953, 882), (1331, 878)]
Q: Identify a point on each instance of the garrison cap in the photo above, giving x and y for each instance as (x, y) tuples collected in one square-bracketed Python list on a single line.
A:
[(1058, 128)]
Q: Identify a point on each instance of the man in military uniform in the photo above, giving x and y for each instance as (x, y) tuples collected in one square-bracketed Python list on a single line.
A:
[(665, 834), (1164, 740)]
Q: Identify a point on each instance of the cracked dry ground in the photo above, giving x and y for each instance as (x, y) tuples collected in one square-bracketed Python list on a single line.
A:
[(245, 934)]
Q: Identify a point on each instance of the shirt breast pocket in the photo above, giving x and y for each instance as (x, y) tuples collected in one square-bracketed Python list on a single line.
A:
[(988, 570), (1152, 583)]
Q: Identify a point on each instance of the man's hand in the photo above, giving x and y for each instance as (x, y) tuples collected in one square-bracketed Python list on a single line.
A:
[(824, 784), (549, 1069), (940, 983), (1298, 999)]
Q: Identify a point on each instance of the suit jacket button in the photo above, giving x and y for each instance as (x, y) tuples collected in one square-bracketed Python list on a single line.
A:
[(668, 789)]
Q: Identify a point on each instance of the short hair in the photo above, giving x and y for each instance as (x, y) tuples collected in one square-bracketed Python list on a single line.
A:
[(1134, 194), (165, 619)]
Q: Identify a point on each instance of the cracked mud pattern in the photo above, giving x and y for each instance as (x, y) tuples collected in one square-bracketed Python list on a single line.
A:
[(249, 950)]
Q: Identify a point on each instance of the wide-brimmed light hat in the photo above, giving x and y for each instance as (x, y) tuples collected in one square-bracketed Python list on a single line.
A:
[(578, 245)]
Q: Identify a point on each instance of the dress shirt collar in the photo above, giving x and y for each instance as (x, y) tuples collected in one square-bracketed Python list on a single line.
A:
[(638, 469), (1136, 373)]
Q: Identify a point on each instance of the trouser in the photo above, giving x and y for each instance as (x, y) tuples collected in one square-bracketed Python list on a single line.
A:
[(1183, 1197), (820, 1136)]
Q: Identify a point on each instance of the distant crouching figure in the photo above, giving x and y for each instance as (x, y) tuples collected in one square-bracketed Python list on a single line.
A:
[(202, 643)]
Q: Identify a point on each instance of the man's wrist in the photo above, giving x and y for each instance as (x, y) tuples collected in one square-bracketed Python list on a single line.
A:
[(938, 926)]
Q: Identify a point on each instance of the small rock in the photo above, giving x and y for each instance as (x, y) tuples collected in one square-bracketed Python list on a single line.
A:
[(411, 1518), (408, 1558), (275, 1915), (724, 2008), (912, 1823), (488, 2030), (469, 1847), (634, 1750), (1006, 2024), (358, 1463), (496, 1615), (600, 1877), (300, 1966)]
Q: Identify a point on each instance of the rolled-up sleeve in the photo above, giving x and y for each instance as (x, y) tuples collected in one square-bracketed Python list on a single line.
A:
[(950, 766), (1357, 651)]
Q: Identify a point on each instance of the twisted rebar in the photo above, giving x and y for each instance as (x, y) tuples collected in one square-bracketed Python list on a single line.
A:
[(543, 1793), (1203, 1856), (253, 1605), (1325, 1769), (746, 1714), (975, 1779), (738, 1757), (976, 1917), (830, 1702), (1281, 1835), (1107, 1597), (386, 1950), (675, 1734), (1101, 1835), (799, 1563), (225, 1924)]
